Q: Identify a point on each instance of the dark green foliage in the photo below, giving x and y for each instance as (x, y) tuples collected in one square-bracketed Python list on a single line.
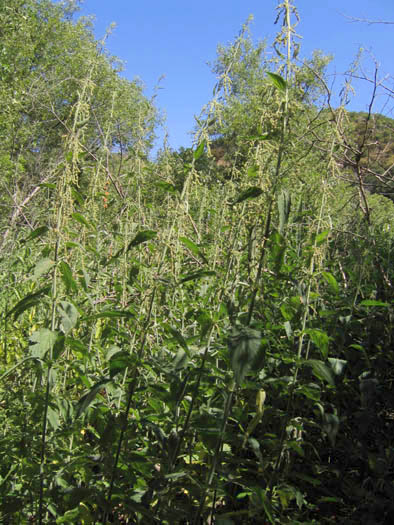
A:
[(207, 337)]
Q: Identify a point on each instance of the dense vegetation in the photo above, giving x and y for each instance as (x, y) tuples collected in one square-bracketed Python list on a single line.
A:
[(203, 338)]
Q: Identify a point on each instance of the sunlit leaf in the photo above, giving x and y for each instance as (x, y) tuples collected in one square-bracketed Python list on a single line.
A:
[(68, 316), (200, 150), (371, 302), (42, 267), (322, 371), (321, 237), (331, 281), (196, 250), (41, 341), (67, 276), (337, 365), (277, 81), (81, 219), (320, 339), (180, 360)]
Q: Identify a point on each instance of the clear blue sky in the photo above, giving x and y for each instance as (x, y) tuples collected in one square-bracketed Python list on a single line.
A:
[(177, 38)]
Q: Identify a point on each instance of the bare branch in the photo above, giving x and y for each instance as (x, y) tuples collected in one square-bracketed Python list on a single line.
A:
[(367, 20)]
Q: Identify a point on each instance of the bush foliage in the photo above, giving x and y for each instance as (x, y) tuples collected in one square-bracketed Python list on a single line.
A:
[(202, 338)]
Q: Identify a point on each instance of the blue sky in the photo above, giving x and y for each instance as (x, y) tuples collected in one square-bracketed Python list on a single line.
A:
[(176, 39)]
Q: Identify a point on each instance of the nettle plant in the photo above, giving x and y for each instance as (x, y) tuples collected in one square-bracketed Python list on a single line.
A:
[(189, 342)]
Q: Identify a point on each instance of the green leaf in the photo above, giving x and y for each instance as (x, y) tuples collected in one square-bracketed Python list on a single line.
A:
[(337, 365), (118, 363), (197, 275), (320, 339), (370, 302), (321, 237), (250, 193), (28, 301), (322, 371), (279, 82), (110, 314), (88, 398), (53, 418), (41, 341), (205, 322), (277, 246), (38, 232), (246, 352), (180, 360), (200, 150), (68, 315), (166, 186), (178, 337), (331, 281), (67, 277), (141, 237), (284, 205), (196, 250), (253, 171), (42, 267), (81, 219)]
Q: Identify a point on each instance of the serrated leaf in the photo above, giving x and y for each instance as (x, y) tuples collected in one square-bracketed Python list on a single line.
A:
[(180, 360), (118, 363), (42, 267), (81, 219), (200, 150), (28, 301), (322, 371), (38, 232), (197, 275), (41, 341), (141, 237), (196, 250), (53, 418), (178, 337), (288, 329), (279, 82), (250, 193), (331, 281), (320, 339), (88, 398), (337, 365), (246, 352), (68, 316), (76, 195), (67, 277)]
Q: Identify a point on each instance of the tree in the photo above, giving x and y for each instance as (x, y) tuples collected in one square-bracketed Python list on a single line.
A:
[(55, 75)]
